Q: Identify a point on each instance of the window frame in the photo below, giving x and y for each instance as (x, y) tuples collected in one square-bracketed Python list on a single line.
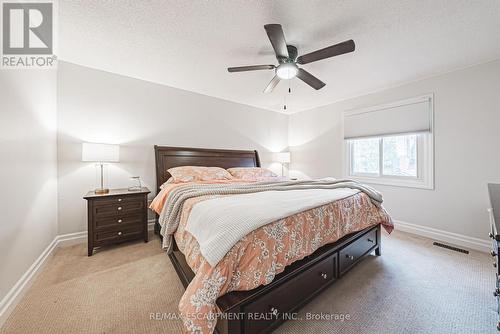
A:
[(425, 164)]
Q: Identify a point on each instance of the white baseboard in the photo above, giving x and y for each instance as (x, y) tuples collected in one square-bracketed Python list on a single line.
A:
[(447, 237), (15, 294), (9, 302), (151, 224), (71, 239)]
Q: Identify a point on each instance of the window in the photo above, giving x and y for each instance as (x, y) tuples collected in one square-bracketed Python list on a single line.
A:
[(399, 156), (393, 160), (365, 157), (391, 144)]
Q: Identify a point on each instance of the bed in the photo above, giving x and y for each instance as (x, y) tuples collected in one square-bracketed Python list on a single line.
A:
[(264, 308)]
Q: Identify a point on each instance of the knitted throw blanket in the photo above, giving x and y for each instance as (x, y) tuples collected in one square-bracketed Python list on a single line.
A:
[(170, 216)]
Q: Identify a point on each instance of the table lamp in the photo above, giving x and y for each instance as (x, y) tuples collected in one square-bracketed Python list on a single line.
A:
[(100, 153), (283, 158)]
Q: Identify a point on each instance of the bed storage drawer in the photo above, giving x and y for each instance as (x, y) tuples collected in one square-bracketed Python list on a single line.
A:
[(274, 307), (287, 293), (349, 255)]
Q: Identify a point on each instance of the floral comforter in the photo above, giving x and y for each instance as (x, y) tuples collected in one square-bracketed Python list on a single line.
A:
[(265, 252)]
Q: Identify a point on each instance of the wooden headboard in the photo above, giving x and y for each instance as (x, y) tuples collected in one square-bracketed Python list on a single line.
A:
[(169, 157)]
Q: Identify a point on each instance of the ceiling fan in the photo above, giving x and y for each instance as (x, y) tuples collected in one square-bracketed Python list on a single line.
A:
[(288, 60)]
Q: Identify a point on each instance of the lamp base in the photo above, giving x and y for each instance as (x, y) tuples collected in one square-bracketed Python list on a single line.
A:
[(101, 191)]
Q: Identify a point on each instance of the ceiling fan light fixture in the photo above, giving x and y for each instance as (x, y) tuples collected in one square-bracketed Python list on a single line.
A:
[(287, 71), (286, 55)]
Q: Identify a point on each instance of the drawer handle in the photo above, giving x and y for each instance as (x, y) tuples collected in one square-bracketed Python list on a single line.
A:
[(493, 253), (494, 264), (274, 311), (370, 240), (119, 199), (119, 208), (324, 275), (350, 257), (119, 233), (119, 220), (496, 293)]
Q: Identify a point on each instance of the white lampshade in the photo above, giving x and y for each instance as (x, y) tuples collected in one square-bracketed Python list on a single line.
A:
[(100, 152), (282, 157)]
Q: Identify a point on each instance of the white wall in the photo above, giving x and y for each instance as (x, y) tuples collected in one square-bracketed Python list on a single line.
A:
[(99, 106), (28, 169), (467, 139)]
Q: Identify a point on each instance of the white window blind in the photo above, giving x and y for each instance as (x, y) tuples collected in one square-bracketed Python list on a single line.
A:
[(408, 116)]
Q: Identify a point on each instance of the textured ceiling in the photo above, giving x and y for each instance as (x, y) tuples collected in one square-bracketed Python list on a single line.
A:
[(189, 43)]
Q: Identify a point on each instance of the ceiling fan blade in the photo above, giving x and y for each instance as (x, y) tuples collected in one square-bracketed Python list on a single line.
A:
[(277, 38), (331, 51), (250, 68), (272, 84), (310, 79)]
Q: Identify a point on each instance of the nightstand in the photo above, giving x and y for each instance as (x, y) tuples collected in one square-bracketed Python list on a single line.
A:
[(120, 215)]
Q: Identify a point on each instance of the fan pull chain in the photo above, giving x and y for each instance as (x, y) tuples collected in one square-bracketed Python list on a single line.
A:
[(289, 92)]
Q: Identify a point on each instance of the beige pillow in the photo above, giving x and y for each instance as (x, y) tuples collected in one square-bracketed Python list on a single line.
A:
[(250, 173), (195, 173)]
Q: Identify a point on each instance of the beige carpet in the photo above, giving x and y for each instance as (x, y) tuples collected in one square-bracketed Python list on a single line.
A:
[(413, 287)]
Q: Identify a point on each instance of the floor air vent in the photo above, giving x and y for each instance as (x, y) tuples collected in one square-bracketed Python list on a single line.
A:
[(456, 249)]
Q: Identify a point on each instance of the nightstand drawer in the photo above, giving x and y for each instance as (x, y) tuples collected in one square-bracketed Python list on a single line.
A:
[(117, 200), (120, 233), (118, 209), (117, 221)]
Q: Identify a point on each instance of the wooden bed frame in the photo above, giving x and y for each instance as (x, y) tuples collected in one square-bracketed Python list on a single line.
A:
[(263, 309)]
